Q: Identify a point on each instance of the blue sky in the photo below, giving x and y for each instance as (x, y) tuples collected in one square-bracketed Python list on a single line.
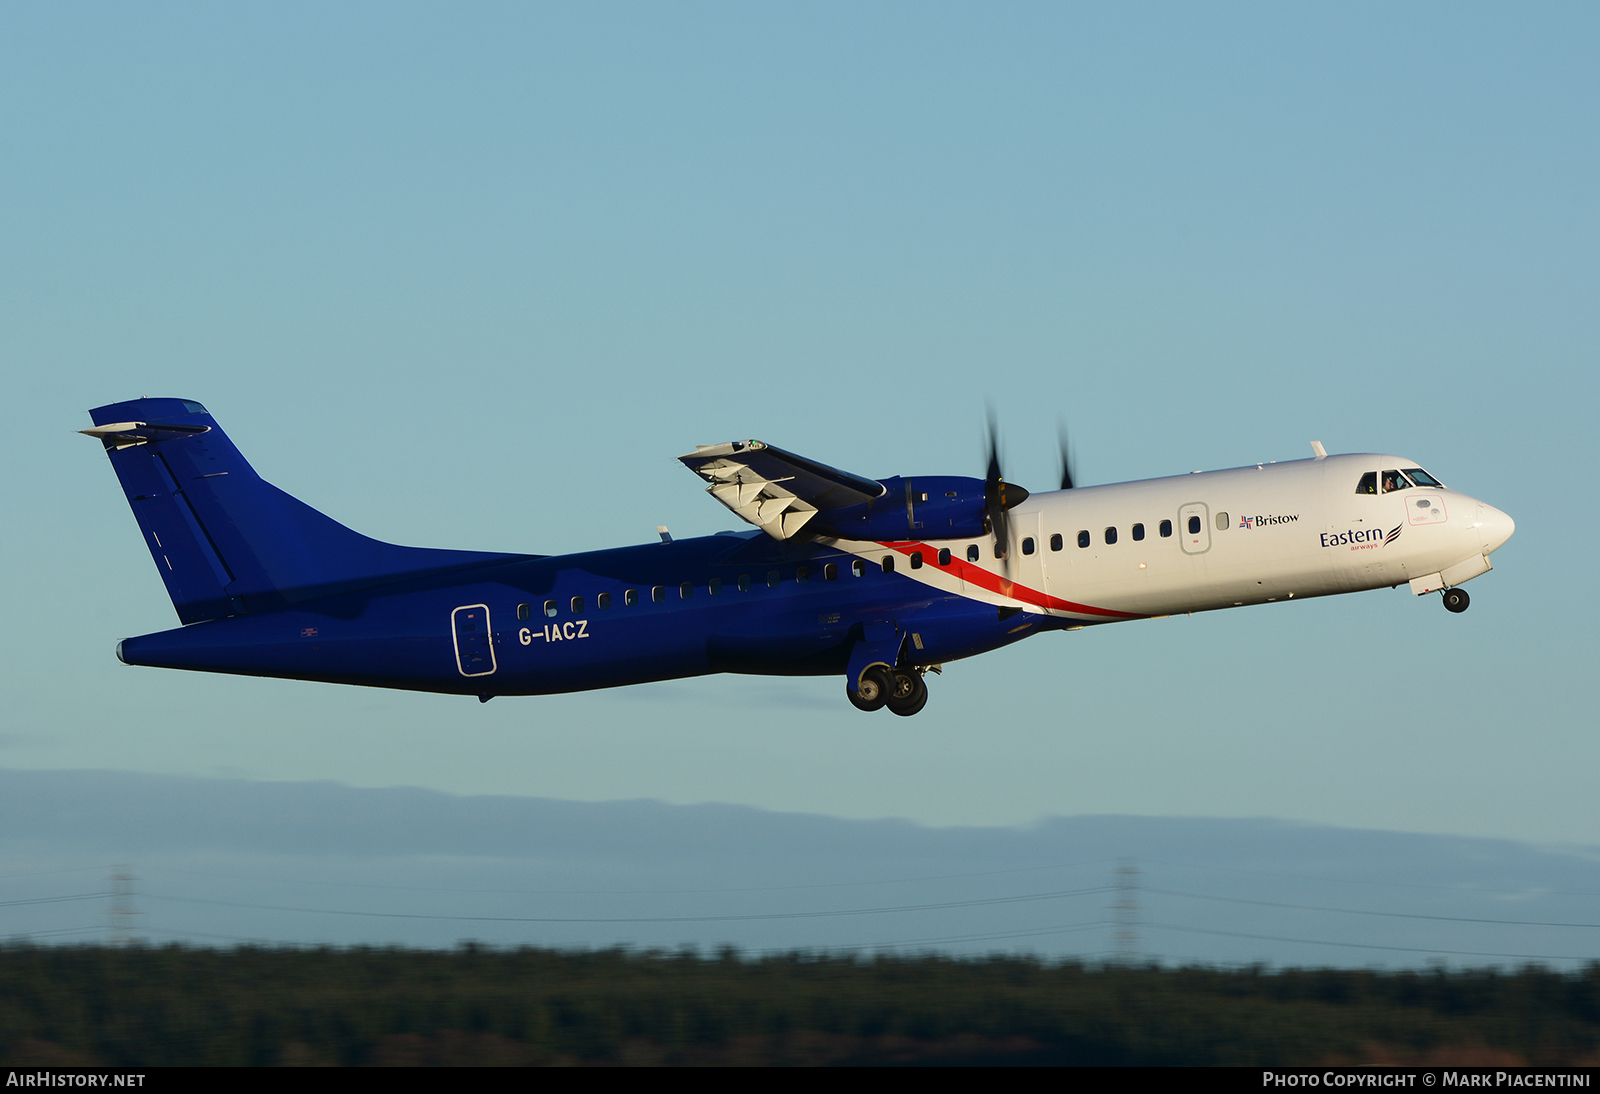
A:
[(474, 277)]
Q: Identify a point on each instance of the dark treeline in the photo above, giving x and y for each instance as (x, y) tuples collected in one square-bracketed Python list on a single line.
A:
[(174, 1005)]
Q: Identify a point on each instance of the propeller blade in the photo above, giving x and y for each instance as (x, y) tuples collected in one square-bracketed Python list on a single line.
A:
[(999, 496), (994, 510), (1066, 457)]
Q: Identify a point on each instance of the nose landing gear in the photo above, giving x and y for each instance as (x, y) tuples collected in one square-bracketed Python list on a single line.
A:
[(1456, 600)]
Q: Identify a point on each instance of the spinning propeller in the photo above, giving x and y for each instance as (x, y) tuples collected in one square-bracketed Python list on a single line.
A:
[(1000, 496)]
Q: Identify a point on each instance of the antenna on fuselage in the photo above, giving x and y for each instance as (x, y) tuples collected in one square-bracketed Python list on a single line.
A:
[(666, 536), (1322, 453)]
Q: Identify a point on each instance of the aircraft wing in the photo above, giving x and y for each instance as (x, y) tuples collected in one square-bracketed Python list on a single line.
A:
[(777, 491)]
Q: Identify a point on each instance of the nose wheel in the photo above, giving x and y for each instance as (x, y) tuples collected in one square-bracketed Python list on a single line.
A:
[(1456, 600)]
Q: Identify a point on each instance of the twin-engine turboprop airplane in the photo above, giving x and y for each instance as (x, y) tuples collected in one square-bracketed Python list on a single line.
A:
[(877, 580)]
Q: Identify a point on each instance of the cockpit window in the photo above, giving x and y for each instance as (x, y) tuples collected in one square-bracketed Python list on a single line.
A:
[(1394, 480), (1422, 478), (1368, 483)]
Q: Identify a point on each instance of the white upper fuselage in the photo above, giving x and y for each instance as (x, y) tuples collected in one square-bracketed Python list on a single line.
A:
[(1248, 535)]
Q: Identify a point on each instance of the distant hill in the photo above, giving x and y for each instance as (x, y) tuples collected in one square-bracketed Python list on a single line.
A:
[(220, 861)]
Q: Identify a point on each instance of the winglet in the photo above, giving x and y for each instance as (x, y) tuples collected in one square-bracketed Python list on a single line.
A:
[(1322, 453)]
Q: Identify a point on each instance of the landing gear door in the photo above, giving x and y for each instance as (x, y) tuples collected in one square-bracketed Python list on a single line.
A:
[(1194, 528), (469, 625)]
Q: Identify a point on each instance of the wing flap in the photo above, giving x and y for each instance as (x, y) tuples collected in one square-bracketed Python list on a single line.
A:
[(777, 491), (121, 435)]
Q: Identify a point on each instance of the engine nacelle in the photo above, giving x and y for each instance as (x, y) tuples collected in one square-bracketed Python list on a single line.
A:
[(925, 507)]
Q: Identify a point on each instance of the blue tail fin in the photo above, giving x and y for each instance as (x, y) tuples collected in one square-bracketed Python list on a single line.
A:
[(225, 540)]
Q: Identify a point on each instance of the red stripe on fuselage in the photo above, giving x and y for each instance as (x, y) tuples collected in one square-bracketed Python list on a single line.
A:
[(987, 579)]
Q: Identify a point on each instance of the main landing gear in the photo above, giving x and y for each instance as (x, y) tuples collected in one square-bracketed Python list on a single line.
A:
[(1456, 600), (901, 690)]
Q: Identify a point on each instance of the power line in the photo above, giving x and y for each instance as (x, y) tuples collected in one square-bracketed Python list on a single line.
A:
[(638, 892), (1369, 946), (51, 873), (53, 899), (58, 930), (748, 917), (1386, 915), (1071, 928), (1386, 884), (1126, 910)]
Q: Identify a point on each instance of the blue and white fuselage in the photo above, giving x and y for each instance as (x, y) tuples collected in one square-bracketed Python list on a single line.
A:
[(877, 581)]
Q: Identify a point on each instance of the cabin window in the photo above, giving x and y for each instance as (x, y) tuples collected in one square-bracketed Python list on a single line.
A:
[(916, 560), (1138, 533), (1083, 538), (772, 579), (888, 564), (631, 598), (686, 590), (524, 611), (1222, 522), (972, 552), (944, 556), (658, 593), (577, 605), (744, 583), (550, 608), (1166, 529), (830, 571), (859, 567), (603, 601), (802, 574), (1111, 536), (716, 586), (1027, 545), (1194, 526), (1368, 483), (1055, 542)]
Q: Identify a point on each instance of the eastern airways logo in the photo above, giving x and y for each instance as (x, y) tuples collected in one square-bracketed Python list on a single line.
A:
[(1259, 521), (1362, 539)]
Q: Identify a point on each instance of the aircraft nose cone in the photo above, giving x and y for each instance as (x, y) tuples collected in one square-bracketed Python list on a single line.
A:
[(1494, 526)]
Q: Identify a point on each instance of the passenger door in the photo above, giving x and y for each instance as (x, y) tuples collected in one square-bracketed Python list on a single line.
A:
[(1194, 528), (474, 641)]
